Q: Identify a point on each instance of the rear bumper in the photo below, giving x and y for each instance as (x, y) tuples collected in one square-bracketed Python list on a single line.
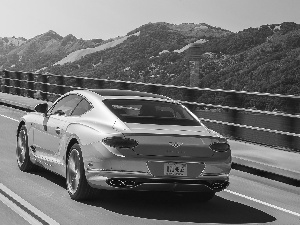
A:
[(141, 181)]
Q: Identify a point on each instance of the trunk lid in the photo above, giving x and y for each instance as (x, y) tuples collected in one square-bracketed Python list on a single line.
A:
[(171, 140)]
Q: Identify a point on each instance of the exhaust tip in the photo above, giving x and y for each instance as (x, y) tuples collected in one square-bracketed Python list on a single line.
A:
[(121, 183), (220, 185)]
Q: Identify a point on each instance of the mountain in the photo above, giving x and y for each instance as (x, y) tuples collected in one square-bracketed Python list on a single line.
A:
[(41, 51), (9, 43), (154, 52), (77, 55), (264, 59)]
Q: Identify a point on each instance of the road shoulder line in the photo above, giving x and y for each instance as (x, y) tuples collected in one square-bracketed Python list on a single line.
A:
[(263, 203), (9, 118), (23, 208)]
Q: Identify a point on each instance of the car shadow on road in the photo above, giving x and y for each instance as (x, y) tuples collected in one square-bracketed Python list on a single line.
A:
[(168, 206), (53, 177), (171, 207)]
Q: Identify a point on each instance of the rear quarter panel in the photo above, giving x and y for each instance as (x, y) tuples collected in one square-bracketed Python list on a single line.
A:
[(90, 140)]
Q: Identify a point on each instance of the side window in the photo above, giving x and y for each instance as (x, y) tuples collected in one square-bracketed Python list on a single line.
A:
[(66, 105), (81, 108)]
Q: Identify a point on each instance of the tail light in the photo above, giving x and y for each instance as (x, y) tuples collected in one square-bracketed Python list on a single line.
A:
[(120, 142), (219, 147)]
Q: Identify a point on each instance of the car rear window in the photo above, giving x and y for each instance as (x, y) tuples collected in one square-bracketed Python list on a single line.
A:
[(151, 112)]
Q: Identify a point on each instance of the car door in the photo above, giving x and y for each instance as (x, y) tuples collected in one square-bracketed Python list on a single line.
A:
[(49, 133)]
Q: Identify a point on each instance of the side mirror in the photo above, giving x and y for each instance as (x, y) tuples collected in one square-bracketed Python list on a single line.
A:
[(59, 112), (41, 108)]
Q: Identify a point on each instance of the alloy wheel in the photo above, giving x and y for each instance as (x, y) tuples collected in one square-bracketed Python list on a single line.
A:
[(73, 171), (21, 150)]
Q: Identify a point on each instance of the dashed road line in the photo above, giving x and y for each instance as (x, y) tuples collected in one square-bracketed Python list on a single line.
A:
[(263, 203), (9, 118)]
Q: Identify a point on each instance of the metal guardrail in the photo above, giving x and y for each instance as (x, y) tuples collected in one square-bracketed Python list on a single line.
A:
[(283, 130)]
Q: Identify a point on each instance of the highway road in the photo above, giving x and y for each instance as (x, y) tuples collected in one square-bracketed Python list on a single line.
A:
[(41, 197)]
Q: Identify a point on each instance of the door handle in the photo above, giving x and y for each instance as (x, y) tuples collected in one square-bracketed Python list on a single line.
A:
[(57, 130)]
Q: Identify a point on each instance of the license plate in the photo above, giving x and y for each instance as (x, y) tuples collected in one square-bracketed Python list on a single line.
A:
[(175, 169)]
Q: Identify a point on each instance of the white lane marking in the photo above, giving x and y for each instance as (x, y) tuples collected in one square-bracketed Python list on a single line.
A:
[(18, 210), (9, 118), (263, 203), (27, 205)]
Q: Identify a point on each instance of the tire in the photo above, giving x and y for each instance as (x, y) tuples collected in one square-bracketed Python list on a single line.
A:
[(22, 151), (77, 185)]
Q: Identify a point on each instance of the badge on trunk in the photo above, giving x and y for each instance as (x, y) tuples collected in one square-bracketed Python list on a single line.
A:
[(175, 144)]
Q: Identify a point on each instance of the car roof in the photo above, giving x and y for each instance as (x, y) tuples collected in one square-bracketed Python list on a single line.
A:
[(116, 92)]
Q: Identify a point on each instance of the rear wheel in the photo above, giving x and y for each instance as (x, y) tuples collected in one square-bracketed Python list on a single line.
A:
[(77, 185), (22, 151)]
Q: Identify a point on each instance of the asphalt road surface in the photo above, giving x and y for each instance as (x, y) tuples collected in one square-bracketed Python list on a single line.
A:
[(41, 197)]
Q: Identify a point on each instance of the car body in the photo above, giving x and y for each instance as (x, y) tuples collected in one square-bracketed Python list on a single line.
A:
[(123, 140)]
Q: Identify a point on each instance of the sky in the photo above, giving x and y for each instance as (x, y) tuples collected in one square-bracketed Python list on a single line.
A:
[(104, 19)]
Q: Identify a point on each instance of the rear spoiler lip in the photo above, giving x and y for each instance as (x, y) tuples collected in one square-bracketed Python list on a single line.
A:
[(172, 135)]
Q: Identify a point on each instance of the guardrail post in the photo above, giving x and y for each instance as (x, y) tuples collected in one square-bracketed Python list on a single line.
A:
[(61, 83), (190, 95), (18, 83), (79, 82), (152, 89), (100, 84), (6, 81), (233, 115), (30, 85), (292, 104), (44, 87), (123, 85), (1, 81)]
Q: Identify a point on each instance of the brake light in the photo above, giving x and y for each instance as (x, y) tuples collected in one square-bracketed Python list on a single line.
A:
[(219, 147), (120, 142)]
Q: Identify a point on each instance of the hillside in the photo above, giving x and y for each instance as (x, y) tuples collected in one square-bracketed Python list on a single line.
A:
[(264, 59), (41, 51), (151, 53)]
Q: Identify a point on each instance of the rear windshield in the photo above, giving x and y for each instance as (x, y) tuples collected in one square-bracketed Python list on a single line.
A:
[(150, 112)]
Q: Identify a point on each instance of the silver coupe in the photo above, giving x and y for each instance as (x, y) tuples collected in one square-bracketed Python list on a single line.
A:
[(123, 140)]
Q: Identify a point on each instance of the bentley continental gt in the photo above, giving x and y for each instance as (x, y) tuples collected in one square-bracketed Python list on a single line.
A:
[(123, 140)]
